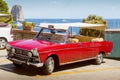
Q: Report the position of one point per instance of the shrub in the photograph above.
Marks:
(28, 24)
(93, 19)
(14, 26)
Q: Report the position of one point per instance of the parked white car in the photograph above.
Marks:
(6, 34)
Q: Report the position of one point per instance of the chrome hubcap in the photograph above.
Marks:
(100, 57)
(51, 65)
(2, 43)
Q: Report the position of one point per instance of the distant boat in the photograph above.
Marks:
(64, 20)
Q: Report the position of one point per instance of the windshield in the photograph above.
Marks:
(52, 35)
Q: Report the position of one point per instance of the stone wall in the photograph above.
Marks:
(22, 34)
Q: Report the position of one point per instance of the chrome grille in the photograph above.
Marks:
(22, 52)
(21, 57)
(18, 51)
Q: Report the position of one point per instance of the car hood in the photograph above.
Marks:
(30, 44)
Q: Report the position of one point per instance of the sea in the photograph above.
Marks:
(112, 23)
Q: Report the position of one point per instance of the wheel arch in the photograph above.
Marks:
(3, 46)
(4, 38)
(103, 53)
(56, 59)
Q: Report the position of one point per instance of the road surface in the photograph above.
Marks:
(108, 70)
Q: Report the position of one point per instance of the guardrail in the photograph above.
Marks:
(114, 36)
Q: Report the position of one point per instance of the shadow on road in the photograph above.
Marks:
(118, 59)
(33, 71)
(74, 65)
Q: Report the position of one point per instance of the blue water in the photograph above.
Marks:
(112, 23)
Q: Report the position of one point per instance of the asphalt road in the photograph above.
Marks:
(108, 70)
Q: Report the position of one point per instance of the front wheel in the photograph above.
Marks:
(99, 59)
(49, 66)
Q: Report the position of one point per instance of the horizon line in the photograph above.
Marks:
(66, 18)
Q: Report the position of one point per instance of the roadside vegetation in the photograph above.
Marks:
(93, 19)
(4, 9)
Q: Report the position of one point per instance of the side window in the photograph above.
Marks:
(74, 30)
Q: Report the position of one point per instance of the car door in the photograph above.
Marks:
(80, 50)
(68, 52)
(87, 50)
(75, 52)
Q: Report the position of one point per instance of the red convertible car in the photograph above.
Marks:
(59, 44)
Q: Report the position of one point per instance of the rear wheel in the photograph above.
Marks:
(49, 66)
(2, 43)
(99, 59)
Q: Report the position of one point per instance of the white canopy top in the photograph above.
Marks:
(65, 26)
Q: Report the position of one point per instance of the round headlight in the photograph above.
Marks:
(29, 54)
(8, 47)
(35, 52)
(13, 50)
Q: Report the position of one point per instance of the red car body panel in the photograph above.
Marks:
(30, 44)
(65, 52)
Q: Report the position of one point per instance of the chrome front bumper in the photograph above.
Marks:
(24, 62)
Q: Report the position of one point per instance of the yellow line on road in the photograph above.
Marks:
(77, 72)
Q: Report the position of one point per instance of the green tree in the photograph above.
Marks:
(3, 7)
(93, 19)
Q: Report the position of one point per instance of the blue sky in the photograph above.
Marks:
(73, 9)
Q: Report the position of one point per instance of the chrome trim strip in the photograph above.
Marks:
(78, 61)
(28, 63)
(62, 49)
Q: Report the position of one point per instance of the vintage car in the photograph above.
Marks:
(59, 44)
